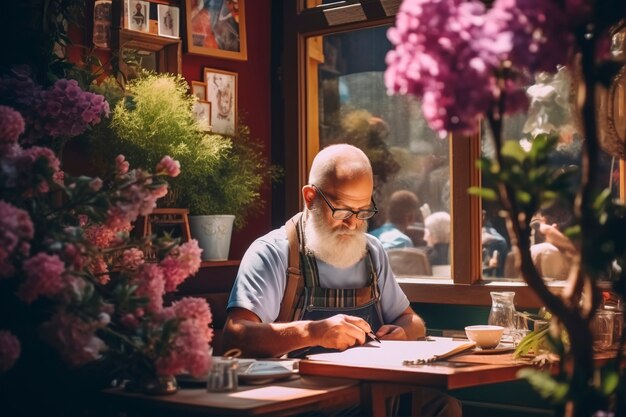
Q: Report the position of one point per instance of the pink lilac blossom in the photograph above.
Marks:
(16, 230)
(44, 277)
(99, 269)
(74, 338)
(34, 167)
(74, 256)
(134, 200)
(538, 29)
(11, 127)
(121, 164)
(189, 351)
(132, 258)
(23, 94)
(180, 263)
(448, 52)
(168, 166)
(150, 284)
(67, 110)
(10, 350)
(194, 308)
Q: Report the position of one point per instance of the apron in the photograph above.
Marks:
(318, 303)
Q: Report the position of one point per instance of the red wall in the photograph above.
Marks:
(254, 101)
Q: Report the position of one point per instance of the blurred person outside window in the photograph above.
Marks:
(401, 213)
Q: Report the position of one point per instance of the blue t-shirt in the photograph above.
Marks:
(262, 277)
(391, 237)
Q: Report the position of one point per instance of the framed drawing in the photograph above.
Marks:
(169, 20)
(202, 112)
(221, 91)
(216, 28)
(198, 89)
(102, 24)
(137, 15)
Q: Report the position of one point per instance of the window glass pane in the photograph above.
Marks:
(410, 161)
(550, 110)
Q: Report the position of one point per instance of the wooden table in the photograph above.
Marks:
(302, 394)
(379, 382)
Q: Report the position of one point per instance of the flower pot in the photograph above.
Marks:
(213, 234)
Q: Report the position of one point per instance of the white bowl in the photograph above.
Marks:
(485, 336)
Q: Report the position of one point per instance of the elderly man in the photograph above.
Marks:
(334, 253)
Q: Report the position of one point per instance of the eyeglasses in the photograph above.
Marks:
(345, 213)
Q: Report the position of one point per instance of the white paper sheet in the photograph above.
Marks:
(393, 353)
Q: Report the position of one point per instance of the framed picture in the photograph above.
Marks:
(198, 89)
(138, 15)
(216, 28)
(202, 112)
(221, 92)
(169, 20)
(102, 23)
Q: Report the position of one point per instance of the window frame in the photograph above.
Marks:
(301, 143)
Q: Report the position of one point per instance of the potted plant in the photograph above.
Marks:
(221, 176)
(229, 194)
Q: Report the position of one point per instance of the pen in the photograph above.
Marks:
(373, 336)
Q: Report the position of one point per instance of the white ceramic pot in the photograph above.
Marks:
(213, 233)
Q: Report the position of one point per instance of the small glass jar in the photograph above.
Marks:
(223, 375)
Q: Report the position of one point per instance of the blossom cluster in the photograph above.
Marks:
(66, 250)
(62, 111)
(452, 54)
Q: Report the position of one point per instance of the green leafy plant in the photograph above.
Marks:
(237, 180)
(220, 174)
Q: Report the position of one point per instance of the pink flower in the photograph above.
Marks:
(168, 167)
(180, 263)
(150, 284)
(132, 258)
(196, 309)
(95, 184)
(16, 229)
(11, 127)
(99, 268)
(121, 164)
(44, 276)
(189, 350)
(74, 338)
(9, 350)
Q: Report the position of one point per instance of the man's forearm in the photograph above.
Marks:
(412, 324)
(267, 339)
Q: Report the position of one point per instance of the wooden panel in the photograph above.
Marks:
(442, 292)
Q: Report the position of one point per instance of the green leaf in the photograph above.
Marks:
(486, 193)
(547, 386)
(514, 150)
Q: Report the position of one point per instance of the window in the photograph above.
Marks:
(338, 68)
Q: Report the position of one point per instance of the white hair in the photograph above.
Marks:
(438, 226)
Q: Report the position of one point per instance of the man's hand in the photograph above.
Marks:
(340, 331)
(391, 332)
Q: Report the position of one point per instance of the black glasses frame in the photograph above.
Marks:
(346, 213)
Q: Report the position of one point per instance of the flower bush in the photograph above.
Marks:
(71, 276)
(468, 63)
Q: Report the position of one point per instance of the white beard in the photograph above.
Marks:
(340, 248)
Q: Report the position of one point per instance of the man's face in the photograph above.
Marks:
(339, 242)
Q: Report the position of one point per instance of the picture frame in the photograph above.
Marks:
(202, 113)
(216, 28)
(169, 21)
(137, 15)
(102, 18)
(198, 89)
(222, 93)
